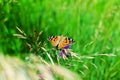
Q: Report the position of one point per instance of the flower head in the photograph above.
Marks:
(67, 47)
(62, 53)
(65, 52)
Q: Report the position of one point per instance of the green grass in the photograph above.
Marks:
(94, 25)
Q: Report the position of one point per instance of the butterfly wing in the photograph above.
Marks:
(54, 40)
(64, 42)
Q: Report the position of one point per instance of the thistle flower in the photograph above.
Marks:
(65, 52)
(67, 47)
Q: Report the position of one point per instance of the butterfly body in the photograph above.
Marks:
(60, 41)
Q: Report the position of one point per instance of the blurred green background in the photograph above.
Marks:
(93, 24)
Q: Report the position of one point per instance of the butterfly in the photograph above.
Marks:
(60, 41)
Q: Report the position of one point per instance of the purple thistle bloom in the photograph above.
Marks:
(67, 47)
(63, 51)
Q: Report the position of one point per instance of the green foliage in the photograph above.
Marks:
(94, 25)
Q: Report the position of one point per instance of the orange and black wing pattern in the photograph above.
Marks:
(60, 41)
(54, 40)
(64, 42)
